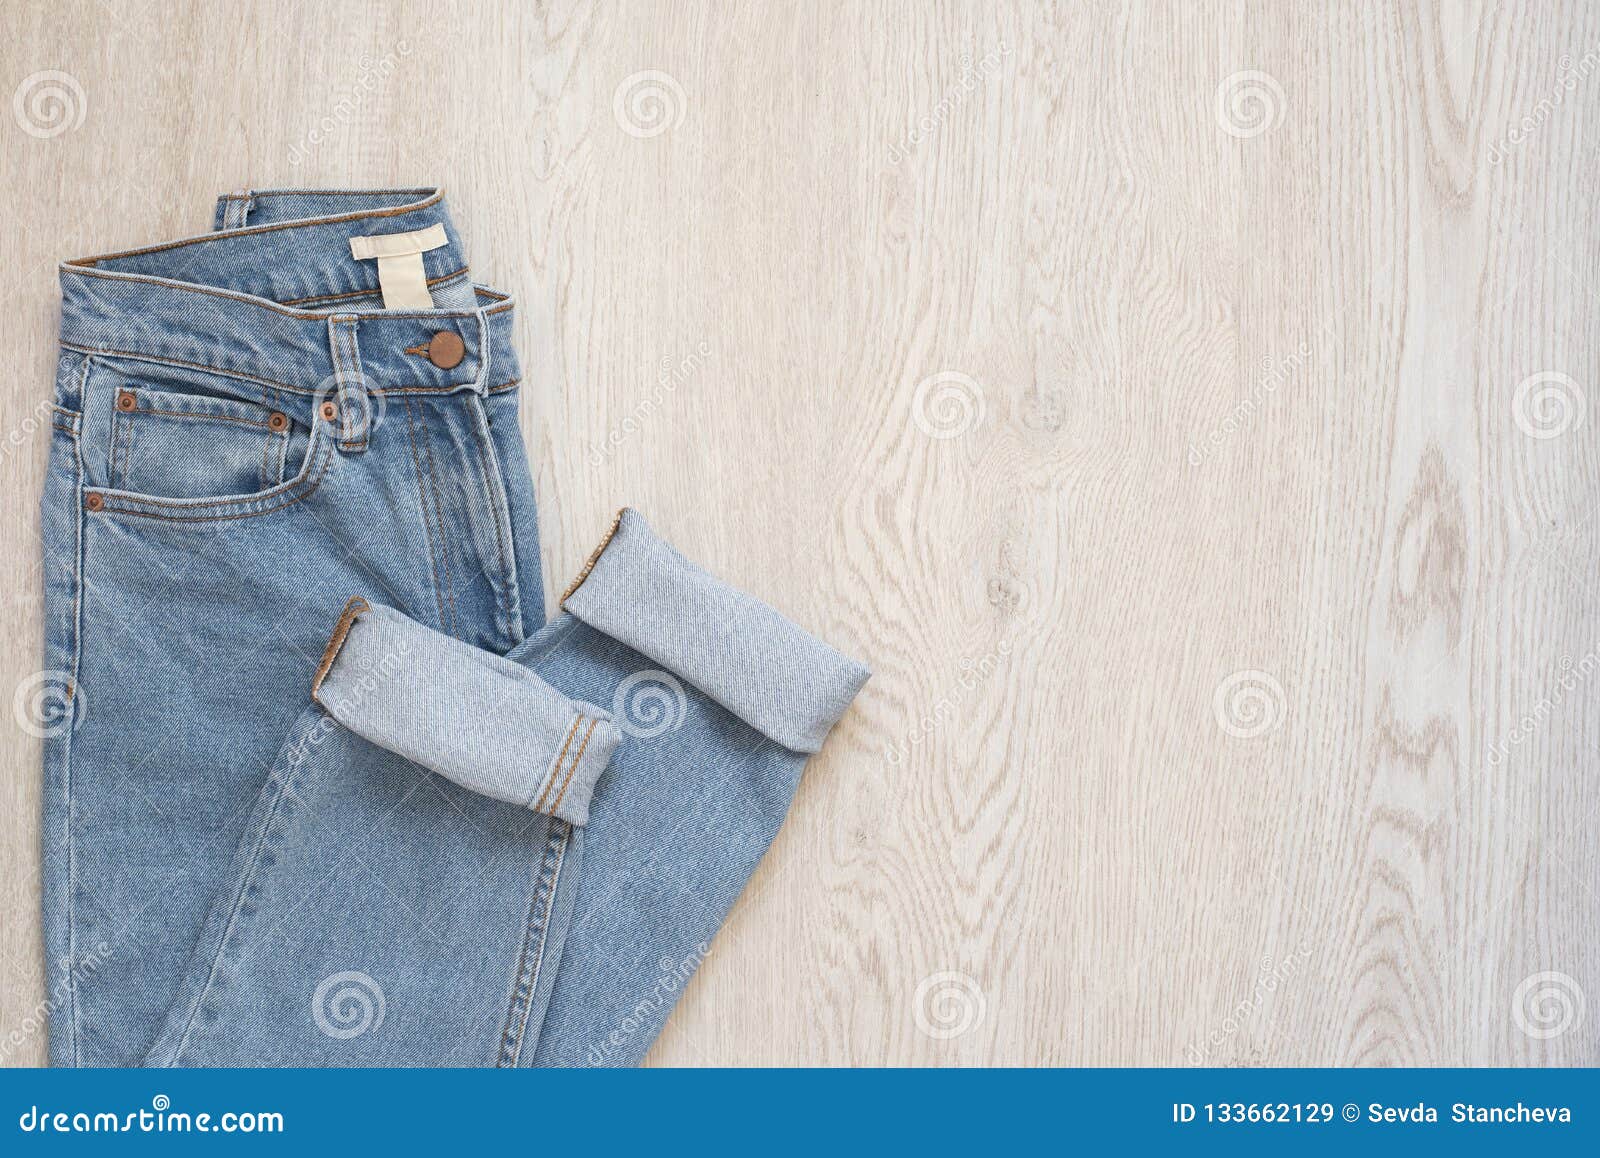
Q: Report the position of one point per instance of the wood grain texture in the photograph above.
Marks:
(1190, 412)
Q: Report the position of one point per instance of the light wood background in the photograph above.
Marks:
(1190, 411)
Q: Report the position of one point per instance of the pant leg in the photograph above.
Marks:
(401, 889)
(721, 701)
(465, 861)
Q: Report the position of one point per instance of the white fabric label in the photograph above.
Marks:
(401, 274)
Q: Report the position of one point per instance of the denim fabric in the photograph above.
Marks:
(327, 789)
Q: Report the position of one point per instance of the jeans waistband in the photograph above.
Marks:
(276, 300)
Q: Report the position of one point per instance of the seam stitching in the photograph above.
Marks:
(354, 608)
(256, 230)
(576, 760)
(594, 557)
(205, 518)
(558, 843)
(555, 769)
(367, 293)
(427, 516)
(503, 582)
(452, 622)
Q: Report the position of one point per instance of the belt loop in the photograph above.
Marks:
(485, 354)
(357, 415)
(233, 209)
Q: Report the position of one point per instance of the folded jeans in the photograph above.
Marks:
(325, 787)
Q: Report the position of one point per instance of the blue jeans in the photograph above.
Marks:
(322, 786)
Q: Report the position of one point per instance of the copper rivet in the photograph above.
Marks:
(126, 400)
(278, 421)
(446, 349)
(329, 411)
(93, 502)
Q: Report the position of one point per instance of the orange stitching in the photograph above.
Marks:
(200, 414)
(427, 520)
(121, 442)
(160, 359)
(432, 281)
(571, 732)
(444, 539)
(485, 451)
(594, 558)
(575, 762)
(252, 300)
(315, 482)
(291, 484)
(341, 630)
(257, 229)
(259, 194)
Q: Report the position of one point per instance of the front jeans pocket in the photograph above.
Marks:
(191, 446)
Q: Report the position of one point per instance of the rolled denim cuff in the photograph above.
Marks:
(485, 722)
(783, 682)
